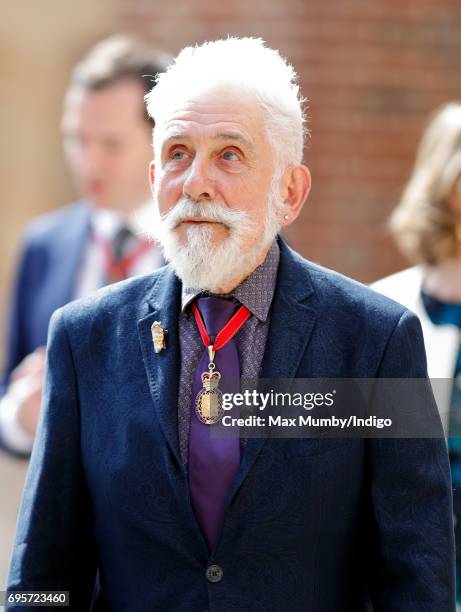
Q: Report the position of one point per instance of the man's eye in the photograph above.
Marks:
(114, 146)
(230, 156)
(177, 154)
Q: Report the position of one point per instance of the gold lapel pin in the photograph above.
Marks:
(158, 336)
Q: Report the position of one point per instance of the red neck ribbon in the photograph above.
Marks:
(227, 332)
(120, 269)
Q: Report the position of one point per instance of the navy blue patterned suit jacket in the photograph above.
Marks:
(332, 525)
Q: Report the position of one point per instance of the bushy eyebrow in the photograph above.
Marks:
(233, 136)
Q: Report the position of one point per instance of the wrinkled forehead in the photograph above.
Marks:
(207, 113)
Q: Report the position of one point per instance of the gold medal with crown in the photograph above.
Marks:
(208, 404)
(209, 400)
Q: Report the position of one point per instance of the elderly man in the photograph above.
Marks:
(130, 503)
(79, 248)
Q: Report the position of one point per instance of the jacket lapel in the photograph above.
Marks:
(163, 368)
(293, 316)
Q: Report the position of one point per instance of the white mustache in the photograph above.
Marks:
(186, 209)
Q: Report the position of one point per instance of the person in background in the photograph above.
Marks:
(427, 228)
(92, 242)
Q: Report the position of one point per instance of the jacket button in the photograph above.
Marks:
(214, 573)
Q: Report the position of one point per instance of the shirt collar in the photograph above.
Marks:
(255, 292)
(106, 222)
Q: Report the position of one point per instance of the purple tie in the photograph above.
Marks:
(213, 462)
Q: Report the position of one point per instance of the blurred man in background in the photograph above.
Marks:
(95, 241)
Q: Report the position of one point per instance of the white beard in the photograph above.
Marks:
(202, 265)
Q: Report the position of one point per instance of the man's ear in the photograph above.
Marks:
(294, 189)
(152, 174)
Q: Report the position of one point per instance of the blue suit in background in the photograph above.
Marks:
(315, 525)
(46, 278)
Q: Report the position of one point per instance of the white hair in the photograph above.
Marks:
(244, 65)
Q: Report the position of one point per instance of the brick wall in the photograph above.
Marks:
(372, 71)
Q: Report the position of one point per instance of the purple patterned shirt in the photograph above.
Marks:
(256, 293)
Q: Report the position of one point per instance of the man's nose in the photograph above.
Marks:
(199, 184)
(90, 161)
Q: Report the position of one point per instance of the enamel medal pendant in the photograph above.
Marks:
(208, 403)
